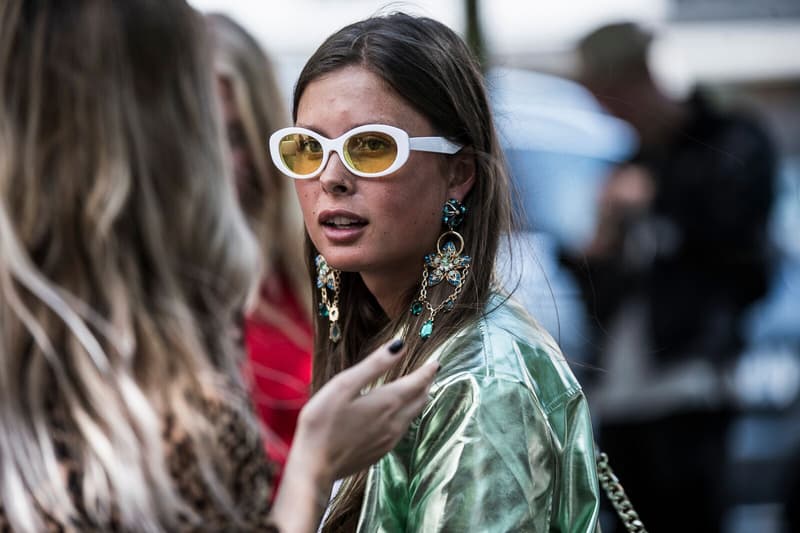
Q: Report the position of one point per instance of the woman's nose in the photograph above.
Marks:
(335, 178)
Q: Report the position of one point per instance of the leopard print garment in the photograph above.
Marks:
(249, 481)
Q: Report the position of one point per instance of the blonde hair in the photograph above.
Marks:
(123, 256)
(268, 198)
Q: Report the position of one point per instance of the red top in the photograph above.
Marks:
(280, 358)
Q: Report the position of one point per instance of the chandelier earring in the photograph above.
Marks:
(447, 264)
(328, 285)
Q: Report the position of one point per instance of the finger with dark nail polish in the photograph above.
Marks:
(396, 346)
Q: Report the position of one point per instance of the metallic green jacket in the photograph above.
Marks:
(504, 444)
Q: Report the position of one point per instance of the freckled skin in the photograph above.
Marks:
(403, 209)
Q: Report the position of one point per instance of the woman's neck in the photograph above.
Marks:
(391, 289)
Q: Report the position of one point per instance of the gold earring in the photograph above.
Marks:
(446, 264)
(328, 279)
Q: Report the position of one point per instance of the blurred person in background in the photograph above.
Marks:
(124, 263)
(680, 252)
(278, 329)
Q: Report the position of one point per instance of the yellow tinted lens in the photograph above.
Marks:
(301, 153)
(370, 152)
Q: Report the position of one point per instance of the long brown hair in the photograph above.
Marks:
(431, 67)
(123, 256)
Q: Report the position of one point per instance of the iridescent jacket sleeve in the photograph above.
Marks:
(505, 443)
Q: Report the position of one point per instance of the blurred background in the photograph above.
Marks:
(568, 144)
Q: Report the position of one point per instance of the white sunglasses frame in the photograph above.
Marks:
(405, 144)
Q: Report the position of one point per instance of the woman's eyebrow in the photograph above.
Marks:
(349, 127)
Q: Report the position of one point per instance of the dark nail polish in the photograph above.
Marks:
(396, 346)
(439, 368)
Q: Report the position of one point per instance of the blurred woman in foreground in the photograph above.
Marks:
(124, 262)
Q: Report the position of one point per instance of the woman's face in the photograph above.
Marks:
(244, 170)
(380, 227)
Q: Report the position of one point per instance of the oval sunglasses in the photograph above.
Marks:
(368, 151)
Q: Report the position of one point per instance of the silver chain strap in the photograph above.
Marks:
(615, 493)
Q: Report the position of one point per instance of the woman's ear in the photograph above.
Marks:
(461, 176)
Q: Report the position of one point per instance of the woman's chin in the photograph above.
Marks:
(346, 260)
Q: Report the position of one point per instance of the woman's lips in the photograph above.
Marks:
(342, 227)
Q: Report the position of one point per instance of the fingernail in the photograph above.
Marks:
(396, 346)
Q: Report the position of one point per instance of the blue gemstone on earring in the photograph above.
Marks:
(335, 333)
(426, 329)
(416, 308)
(323, 310)
(435, 277)
(453, 213)
(454, 277)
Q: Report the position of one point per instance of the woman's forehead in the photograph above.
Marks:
(353, 96)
